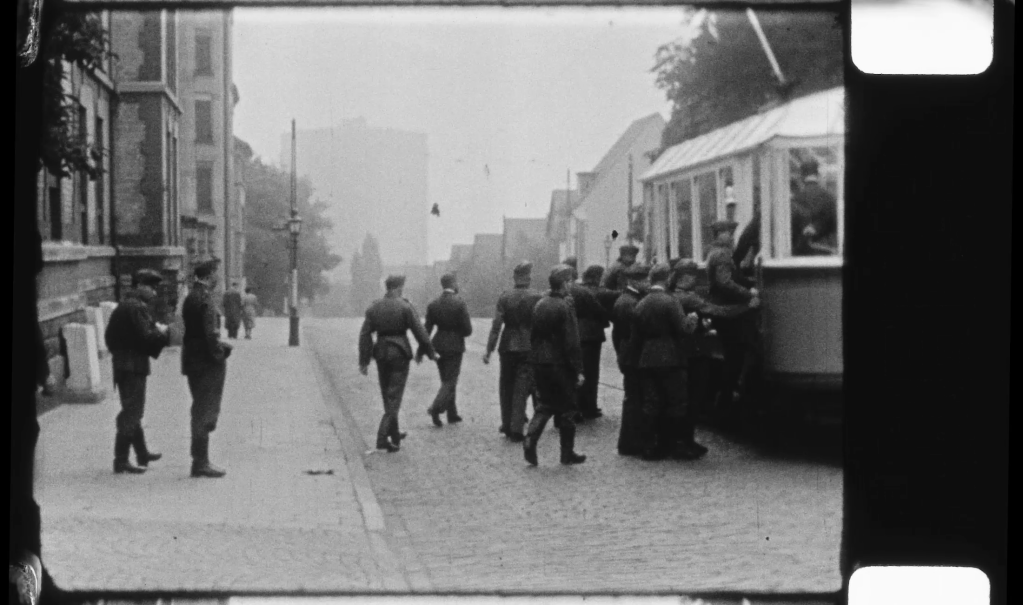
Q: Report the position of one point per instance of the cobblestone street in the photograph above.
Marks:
(478, 518)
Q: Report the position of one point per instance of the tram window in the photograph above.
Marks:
(683, 192)
(707, 190)
(814, 206)
(662, 196)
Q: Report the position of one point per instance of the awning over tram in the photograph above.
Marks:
(817, 115)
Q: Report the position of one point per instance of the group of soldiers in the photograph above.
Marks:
(550, 345)
(134, 336)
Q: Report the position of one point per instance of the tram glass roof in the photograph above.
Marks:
(816, 115)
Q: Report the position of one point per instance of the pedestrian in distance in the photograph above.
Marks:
(510, 335)
(594, 318)
(630, 438)
(133, 336)
(450, 315)
(250, 308)
(814, 215)
(204, 363)
(660, 327)
(627, 254)
(390, 318)
(558, 363)
(233, 310)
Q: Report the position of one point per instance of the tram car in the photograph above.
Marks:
(755, 166)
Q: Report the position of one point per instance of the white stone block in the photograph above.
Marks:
(85, 383)
(97, 319)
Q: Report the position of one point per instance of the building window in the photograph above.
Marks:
(684, 213)
(204, 187)
(56, 208)
(203, 55)
(83, 176)
(101, 202)
(707, 191)
(204, 121)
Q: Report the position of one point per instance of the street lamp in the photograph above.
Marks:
(295, 227)
(608, 242)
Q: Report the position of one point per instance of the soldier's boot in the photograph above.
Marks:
(122, 448)
(689, 436)
(142, 453)
(533, 433)
(568, 455)
(453, 416)
(201, 466)
(436, 417)
(683, 448)
(658, 438)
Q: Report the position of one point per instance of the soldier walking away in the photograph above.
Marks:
(594, 318)
(204, 363)
(450, 315)
(513, 323)
(390, 318)
(626, 257)
(232, 310)
(558, 363)
(630, 438)
(132, 337)
(250, 307)
(814, 216)
(660, 328)
(733, 320)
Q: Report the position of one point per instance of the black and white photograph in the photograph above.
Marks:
(412, 300)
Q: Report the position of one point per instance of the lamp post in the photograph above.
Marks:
(608, 242)
(295, 227)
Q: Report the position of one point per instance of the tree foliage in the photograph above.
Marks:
(73, 38)
(267, 246)
(367, 271)
(717, 71)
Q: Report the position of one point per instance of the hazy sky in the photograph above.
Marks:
(510, 99)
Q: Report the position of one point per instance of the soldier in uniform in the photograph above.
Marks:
(626, 257)
(132, 337)
(450, 315)
(515, 315)
(204, 363)
(233, 310)
(557, 361)
(732, 318)
(814, 216)
(660, 328)
(696, 347)
(390, 318)
(593, 318)
(630, 439)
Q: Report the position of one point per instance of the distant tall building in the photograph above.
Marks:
(374, 180)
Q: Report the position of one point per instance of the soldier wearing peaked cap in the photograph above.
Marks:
(594, 316)
(510, 335)
(814, 215)
(630, 439)
(390, 318)
(133, 336)
(626, 257)
(557, 361)
(450, 315)
(204, 363)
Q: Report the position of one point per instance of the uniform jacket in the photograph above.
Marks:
(515, 313)
(232, 304)
(613, 279)
(698, 343)
(555, 333)
(813, 205)
(621, 334)
(724, 289)
(450, 315)
(659, 330)
(132, 336)
(748, 240)
(201, 347)
(390, 318)
(592, 316)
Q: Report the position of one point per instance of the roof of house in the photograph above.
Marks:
(625, 141)
(815, 115)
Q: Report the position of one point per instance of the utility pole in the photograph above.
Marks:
(295, 227)
(628, 217)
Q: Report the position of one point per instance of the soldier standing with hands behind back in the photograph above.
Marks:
(204, 362)
(132, 337)
(390, 318)
(450, 315)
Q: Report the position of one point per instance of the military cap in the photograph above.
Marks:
(147, 277)
(628, 250)
(593, 272)
(660, 272)
(637, 271)
(571, 262)
(561, 274)
(720, 226)
(394, 281)
(523, 269)
(447, 280)
(809, 168)
(687, 266)
(205, 269)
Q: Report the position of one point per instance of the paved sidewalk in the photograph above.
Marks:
(268, 525)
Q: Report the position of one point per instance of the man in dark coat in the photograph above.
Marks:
(204, 363)
(450, 315)
(593, 318)
(512, 324)
(233, 310)
(132, 337)
(733, 319)
(814, 216)
(557, 361)
(626, 256)
(630, 438)
(390, 318)
(660, 328)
